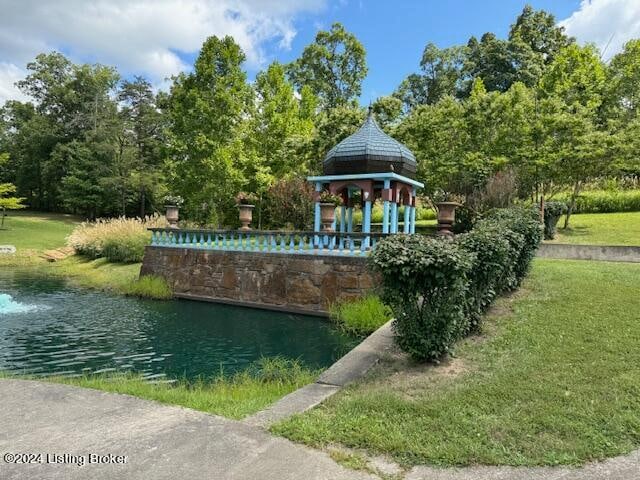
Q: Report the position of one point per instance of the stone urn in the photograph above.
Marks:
(172, 215)
(446, 217)
(246, 215)
(327, 216)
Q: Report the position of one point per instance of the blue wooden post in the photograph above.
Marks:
(350, 219)
(316, 221)
(343, 218)
(412, 228)
(366, 221)
(394, 218)
(385, 210)
(407, 218)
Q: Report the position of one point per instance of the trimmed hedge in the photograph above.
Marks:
(552, 213)
(438, 289)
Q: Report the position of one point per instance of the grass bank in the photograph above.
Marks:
(32, 233)
(233, 397)
(554, 380)
(601, 229)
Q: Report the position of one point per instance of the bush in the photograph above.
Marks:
(492, 269)
(552, 213)
(526, 222)
(438, 289)
(362, 316)
(117, 239)
(425, 283)
(605, 201)
(288, 201)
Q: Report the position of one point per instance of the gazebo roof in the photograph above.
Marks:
(369, 150)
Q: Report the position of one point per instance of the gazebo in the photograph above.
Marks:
(376, 165)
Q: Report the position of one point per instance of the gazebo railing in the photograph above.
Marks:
(270, 241)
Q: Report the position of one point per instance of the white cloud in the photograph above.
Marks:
(9, 75)
(139, 36)
(605, 22)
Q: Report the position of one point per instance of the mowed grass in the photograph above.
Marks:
(233, 397)
(601, 229)
(555, 380)
(36, 231)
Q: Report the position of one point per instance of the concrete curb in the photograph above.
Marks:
(609, 253)
(353, 366)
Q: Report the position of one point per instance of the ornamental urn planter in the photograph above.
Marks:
(246, 215)
(327, 216)
(446, 217)
(172, 215)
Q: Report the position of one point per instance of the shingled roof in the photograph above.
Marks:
(369, 150)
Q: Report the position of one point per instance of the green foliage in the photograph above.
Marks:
(526, 222)
(360, 316)
(438, 289)
(552, 213)
(605, 201)
(149, 286)
(424, 282)
(492, 269)
(125, 250)
(333, 66)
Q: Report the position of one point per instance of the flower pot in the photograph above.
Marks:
(327, 216)
(172, 215)
(246, 215)
(446, 217)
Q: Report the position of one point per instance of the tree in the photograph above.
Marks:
(388, 111)
(280, 119)
(207, 111)
(143, 133)
(8, 202)
(333, 66)
(623, 78)
(539, 30)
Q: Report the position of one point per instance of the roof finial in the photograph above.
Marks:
(370, 109)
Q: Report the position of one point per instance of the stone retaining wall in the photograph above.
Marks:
(297, 283)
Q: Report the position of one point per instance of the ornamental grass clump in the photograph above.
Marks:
(425, 282)
(116, 239)
(360, 316)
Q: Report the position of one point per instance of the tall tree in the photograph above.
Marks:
(333, 66)
(207, 110)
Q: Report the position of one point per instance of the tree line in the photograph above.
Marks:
(536, 106)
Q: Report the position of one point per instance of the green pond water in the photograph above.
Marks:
(48, 327)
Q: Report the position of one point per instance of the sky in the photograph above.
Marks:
(160, 38)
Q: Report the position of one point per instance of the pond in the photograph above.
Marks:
(48, 327)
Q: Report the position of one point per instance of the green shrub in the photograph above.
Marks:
(425, 283)
(361, 316)
(438, 289)
(526, 222)
(149, 286)
(125, 250)
(552, 213)
(492, 269)
(605, 201)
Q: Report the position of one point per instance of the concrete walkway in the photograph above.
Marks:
(63, 426)
(158, 441)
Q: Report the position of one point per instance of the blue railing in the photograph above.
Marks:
(323, 243)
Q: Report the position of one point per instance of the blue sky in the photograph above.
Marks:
(159, 38)
(395, 33)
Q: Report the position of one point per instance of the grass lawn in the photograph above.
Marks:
(554, 380)
(601, 229)
(32, 232)
(37, 231)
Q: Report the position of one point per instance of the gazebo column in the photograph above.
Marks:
(385, 208)
(407, 217)
(394, 213)
(343, 218)
(366, 217)
(316, 220)
(413, 212)
(349, 213)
